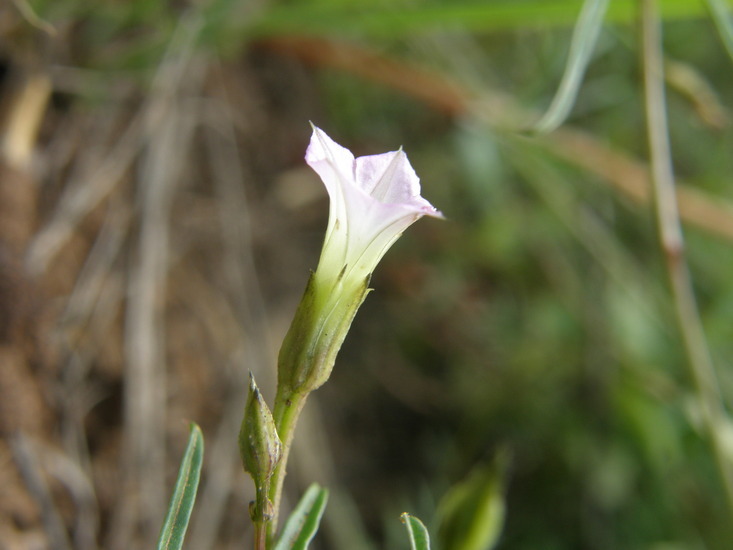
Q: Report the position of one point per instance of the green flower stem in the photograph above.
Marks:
(260, 515)
(261, 535)
(306, 359)
(288, 406)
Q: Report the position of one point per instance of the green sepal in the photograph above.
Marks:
(318, 330)
(302, 525)
(417, 532)
(184, 493)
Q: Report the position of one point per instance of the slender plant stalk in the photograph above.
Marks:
(699, 361)
(261, 521)
(260, 536)
(286, 411)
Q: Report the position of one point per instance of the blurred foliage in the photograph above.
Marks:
(537, 317)
(471, 514)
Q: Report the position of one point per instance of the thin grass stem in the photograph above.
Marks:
(699, 361)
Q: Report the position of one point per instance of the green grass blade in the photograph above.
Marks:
(720, 12)
(418, 533)
(582, 45)
(184, 493)
(366, 18)
(301, 526)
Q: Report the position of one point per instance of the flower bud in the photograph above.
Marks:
(259, 444)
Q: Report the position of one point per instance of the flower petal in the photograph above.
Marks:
(373, 199)
(332, 162)
(387, 177)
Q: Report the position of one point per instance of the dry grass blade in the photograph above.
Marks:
(83, 195)
(24, 119)
(168, 135)
(229, 357)
(28, 462)
(631, 178)
(86, 324)
(31, 16)
(688, 81)
(68, 471)
(97, 266)
(235, 220)
(245, 309)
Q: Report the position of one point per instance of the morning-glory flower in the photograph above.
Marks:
(373, 199)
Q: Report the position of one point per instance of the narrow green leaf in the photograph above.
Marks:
(184, 493)
(720, 12)
(366, 17)
(585, 36)
(301, 526)
(418, 533)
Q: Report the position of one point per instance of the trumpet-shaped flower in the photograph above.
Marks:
(373, 199)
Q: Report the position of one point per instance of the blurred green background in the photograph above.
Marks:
(170, 224)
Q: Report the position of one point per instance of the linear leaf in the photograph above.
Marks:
(720, 12)
(418, 533)
(184, 493)
(582, 45)
(301, 526)
(364, 17)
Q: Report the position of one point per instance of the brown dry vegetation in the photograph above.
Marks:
(130, 228)
(155, 235)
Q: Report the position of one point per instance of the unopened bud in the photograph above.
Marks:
(259, 443)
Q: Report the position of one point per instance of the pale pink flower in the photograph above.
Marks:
(373, 200)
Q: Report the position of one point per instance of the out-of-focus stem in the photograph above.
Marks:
(699, 361)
